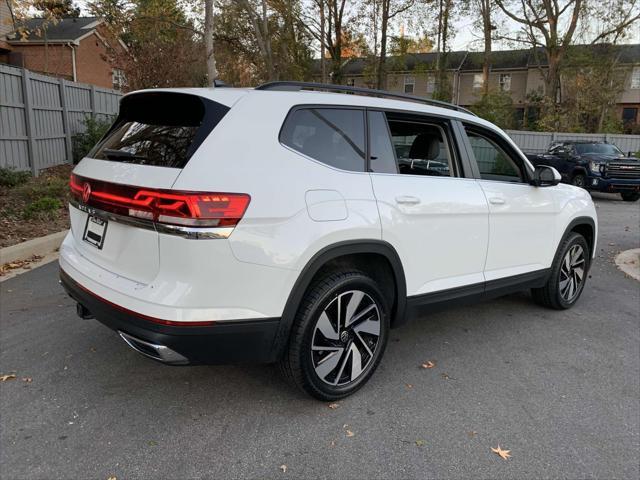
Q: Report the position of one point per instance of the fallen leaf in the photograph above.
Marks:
(27, 379)
(504, 454)
(4, 378)
(283, 468)
(112, 477)
(333, 443)
(408, 385)
(429, 364)
(151, 443)
(333, 406)
(420, 443)
(350, 433)
(472, 433)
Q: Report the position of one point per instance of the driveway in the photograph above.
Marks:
(560, 390)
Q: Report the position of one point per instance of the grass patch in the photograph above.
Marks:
(44, 207)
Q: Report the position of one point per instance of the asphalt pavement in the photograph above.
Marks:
(560, 390)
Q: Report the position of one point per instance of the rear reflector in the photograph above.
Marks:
(169, 207)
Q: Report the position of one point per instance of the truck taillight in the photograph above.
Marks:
(170, 207)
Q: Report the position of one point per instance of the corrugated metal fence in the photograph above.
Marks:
(40, 114)
(538, 142)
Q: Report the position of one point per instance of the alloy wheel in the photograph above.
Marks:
(345, 338)
(572, 273)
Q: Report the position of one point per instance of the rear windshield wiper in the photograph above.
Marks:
(111, 153)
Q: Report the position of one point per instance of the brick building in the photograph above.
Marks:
(79, 49)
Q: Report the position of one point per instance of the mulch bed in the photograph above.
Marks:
(17, 224)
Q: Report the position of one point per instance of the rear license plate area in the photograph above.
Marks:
(95, 231)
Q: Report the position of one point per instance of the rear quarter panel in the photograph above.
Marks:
(243, 154)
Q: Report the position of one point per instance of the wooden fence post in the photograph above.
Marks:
(28, 116)
(65, 121)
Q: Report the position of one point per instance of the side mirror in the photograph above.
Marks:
(545, 176)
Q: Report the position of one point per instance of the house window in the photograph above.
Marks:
(118, 79)
(431, 84)
(635, 78)
(478, 81)
(505, 82)
(629, 115)
(409, 84)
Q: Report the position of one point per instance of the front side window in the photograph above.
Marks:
(333, 136)
(421, 148)
(493, 162)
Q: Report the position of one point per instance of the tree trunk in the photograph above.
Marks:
(382, 62)
(323, 51)
(212, 73)
(485, 10)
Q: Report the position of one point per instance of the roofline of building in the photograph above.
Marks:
(90, 27)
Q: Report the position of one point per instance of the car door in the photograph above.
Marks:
(436, 220)
(521, 216)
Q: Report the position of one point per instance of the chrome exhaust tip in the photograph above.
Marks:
(160, 353)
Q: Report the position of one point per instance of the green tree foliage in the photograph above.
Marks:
(497, 107)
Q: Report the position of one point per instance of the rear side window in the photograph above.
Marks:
(333, 136)
(161, 129)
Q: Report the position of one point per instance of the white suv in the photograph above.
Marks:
(279, 224)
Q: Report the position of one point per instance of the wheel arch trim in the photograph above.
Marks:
(320, 259)
(590, 222)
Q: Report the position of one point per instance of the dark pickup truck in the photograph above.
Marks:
(598, 166)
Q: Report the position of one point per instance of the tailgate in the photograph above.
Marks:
(124, 248)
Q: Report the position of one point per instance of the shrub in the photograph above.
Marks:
(44, 206)
(11, 178)
(84, 142)
(49, 187)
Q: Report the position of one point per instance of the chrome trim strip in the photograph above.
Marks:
(163, 353)
(191, 233)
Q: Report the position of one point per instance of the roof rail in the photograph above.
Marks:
(297, 86)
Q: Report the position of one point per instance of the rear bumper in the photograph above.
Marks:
(613, 185)
(229, 341)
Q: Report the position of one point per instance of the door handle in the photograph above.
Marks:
(497, 201)
(407, 200)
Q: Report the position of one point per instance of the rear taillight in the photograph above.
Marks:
(169, 207)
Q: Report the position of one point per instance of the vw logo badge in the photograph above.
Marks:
(86, 192)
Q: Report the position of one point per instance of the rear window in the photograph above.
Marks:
(161, 129)
(333, 136)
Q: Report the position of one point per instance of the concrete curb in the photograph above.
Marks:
(629, 262)
(37, 246)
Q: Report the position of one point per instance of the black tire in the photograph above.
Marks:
(300, 363)
(552, 295)
(630, 196)
(579, 180)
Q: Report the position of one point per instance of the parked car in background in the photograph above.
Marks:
(597, 166)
